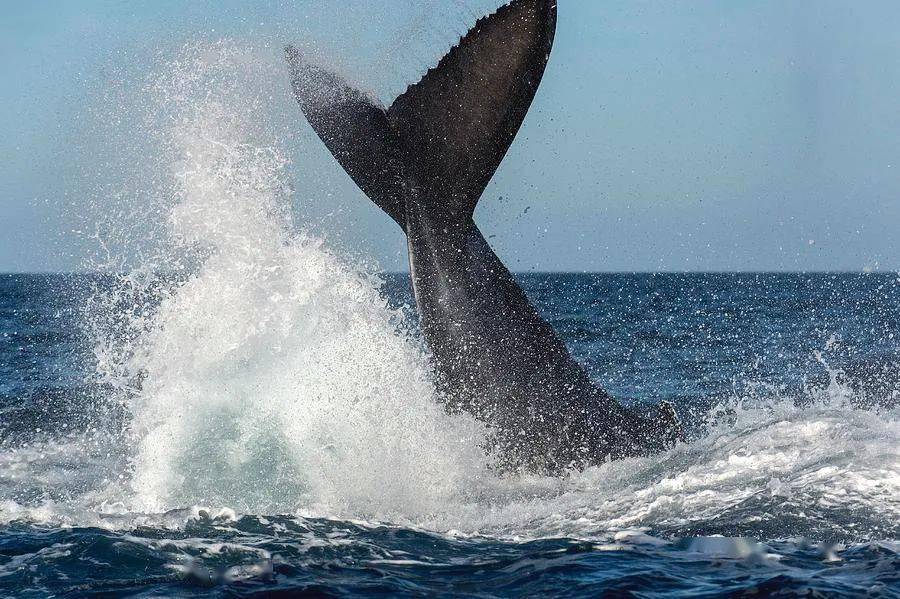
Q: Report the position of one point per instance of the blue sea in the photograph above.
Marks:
(197, 435)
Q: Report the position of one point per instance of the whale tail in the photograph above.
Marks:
(440, 142)
(426, 161)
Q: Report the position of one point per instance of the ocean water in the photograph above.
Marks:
(228, 404)
(309, 455)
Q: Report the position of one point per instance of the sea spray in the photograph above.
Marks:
(272, 377)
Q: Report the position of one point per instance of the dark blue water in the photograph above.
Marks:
(115, 479)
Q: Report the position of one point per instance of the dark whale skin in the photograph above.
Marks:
(426, 161)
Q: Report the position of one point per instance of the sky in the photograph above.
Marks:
(666, 136)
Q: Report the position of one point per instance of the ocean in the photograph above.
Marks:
(238, 456)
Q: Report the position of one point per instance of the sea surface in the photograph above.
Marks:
(238, 468)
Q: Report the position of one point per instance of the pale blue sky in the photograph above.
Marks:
(667, 135)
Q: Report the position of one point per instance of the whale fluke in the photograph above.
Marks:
(356, 130)
(425, 161)
(446, 134)
(461, 118)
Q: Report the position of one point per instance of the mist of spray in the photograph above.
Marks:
(272, 375)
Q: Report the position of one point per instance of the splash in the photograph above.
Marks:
(273, 376)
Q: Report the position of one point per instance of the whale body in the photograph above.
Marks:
(425, 160)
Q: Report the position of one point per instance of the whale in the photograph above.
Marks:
(425, 160)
